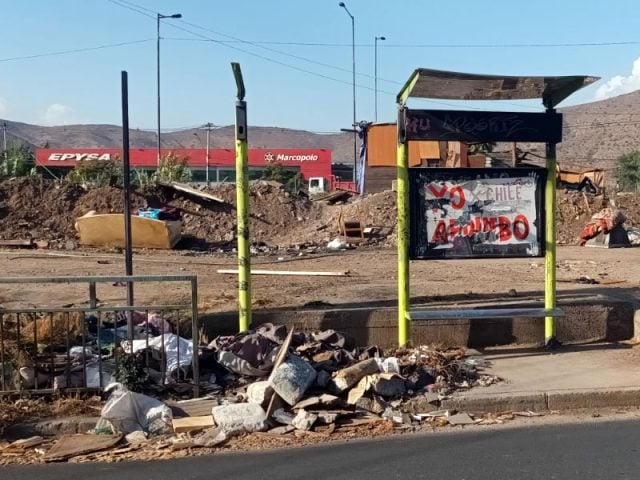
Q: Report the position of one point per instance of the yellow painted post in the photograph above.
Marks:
(242, 205)
(550, 251)
(403, 234)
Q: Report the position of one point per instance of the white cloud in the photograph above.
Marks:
(58, 114)
(4, 107)
(620, 83)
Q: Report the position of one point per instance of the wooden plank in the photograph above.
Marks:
(277, 402)
(73, 445)
(287, 272)
(192, 408)
(26, 443)
(16, 243)
(181, 187)
(190, 424)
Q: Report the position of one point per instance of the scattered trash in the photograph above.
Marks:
(460, 419)
(337, 244)
(585, 279)
(634, 235)
(313, 384)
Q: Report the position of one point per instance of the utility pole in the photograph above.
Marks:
(158, 18)
(375, 74)
(353, 61)
(208, 126)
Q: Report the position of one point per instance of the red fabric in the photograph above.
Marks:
(593, 229)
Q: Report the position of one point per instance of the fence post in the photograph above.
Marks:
(195, 337)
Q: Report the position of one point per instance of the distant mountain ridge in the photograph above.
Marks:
(595, 135)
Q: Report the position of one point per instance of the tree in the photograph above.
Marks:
(17, 162)
(292, 180)
(96, 173)
(628, 172)
(172, 169)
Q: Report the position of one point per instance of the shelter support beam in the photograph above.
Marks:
(550, 247)
(404, 321)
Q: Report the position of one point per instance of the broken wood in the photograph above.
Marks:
(347, 377)
(287, 272)
(192, 191)
(192, 408)
(81, 444)
(277, 402)
(17, 243)
(26, 443)
(190, 424)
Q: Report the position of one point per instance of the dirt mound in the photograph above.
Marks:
(575, 209)
(277, 218)
(31, 207)
(377, 211)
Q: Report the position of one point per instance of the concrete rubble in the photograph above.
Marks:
(291, 384)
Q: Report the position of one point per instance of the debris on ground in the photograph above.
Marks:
(272, 384)
(602, 222)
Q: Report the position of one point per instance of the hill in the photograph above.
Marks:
(110, 136)
(598, 133)
(595, 134)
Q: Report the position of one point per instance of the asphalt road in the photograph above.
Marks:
(576, 451)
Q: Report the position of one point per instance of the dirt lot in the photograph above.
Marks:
(372, 277)
(289, 232)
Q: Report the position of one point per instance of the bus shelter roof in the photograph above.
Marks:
(427, 83)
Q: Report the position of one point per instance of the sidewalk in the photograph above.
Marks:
(573, 377)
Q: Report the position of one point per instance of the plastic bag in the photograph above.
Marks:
(128, 412)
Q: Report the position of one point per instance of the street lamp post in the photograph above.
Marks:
(353, 57)
(158, 18)
(375, 74)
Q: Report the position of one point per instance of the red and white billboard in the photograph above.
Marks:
(312, 162)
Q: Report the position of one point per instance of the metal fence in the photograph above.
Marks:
(81, 348)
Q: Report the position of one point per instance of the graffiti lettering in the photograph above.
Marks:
(502, 226)
(456, 194)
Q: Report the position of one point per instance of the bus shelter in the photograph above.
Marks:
(453, 213)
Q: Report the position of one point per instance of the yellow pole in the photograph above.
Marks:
(242, 205)
(550, 251)
(403, 237)
(244, 258)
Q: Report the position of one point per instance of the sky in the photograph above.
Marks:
(60, 61)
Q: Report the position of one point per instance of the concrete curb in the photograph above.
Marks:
(51, 427)
(550, 400)
(478, 403)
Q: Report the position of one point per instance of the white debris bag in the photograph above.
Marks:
(336, 244)
(388, 365)
(128, 412)
(173, 344)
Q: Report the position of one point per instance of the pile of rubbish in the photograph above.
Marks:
(58, 351)
(276, 381)
(283, 383)
(602, 222)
